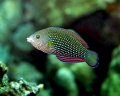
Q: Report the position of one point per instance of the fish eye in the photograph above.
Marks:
(37, 36)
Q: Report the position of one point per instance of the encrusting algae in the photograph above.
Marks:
(18, 88)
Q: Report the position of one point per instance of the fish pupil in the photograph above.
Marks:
(37, 36)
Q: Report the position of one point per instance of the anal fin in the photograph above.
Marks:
(70, 59)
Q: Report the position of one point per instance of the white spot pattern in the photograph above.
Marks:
(65, 44)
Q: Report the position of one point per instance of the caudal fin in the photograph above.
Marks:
(92, 59)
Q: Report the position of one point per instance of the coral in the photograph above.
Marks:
(84, 74)
(19, 37)
(44, 93)
(4, 30)
(66, 79)
(11, 11)
(16, 71)
(10, 18)
(4, 53)
(59, 13)
(3, 75)
(111, 84)
(18, 88)
(28, 11)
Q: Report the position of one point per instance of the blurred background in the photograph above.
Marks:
(96, 21)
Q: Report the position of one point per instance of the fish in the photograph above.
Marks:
(67, 45)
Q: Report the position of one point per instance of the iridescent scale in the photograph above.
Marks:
(67, 45)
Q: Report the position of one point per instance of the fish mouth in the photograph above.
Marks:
(28, 39)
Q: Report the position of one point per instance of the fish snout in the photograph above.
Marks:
(28, 39)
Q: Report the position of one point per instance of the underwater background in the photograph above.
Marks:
(26, 71)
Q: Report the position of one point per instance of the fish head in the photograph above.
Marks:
(38, 39)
